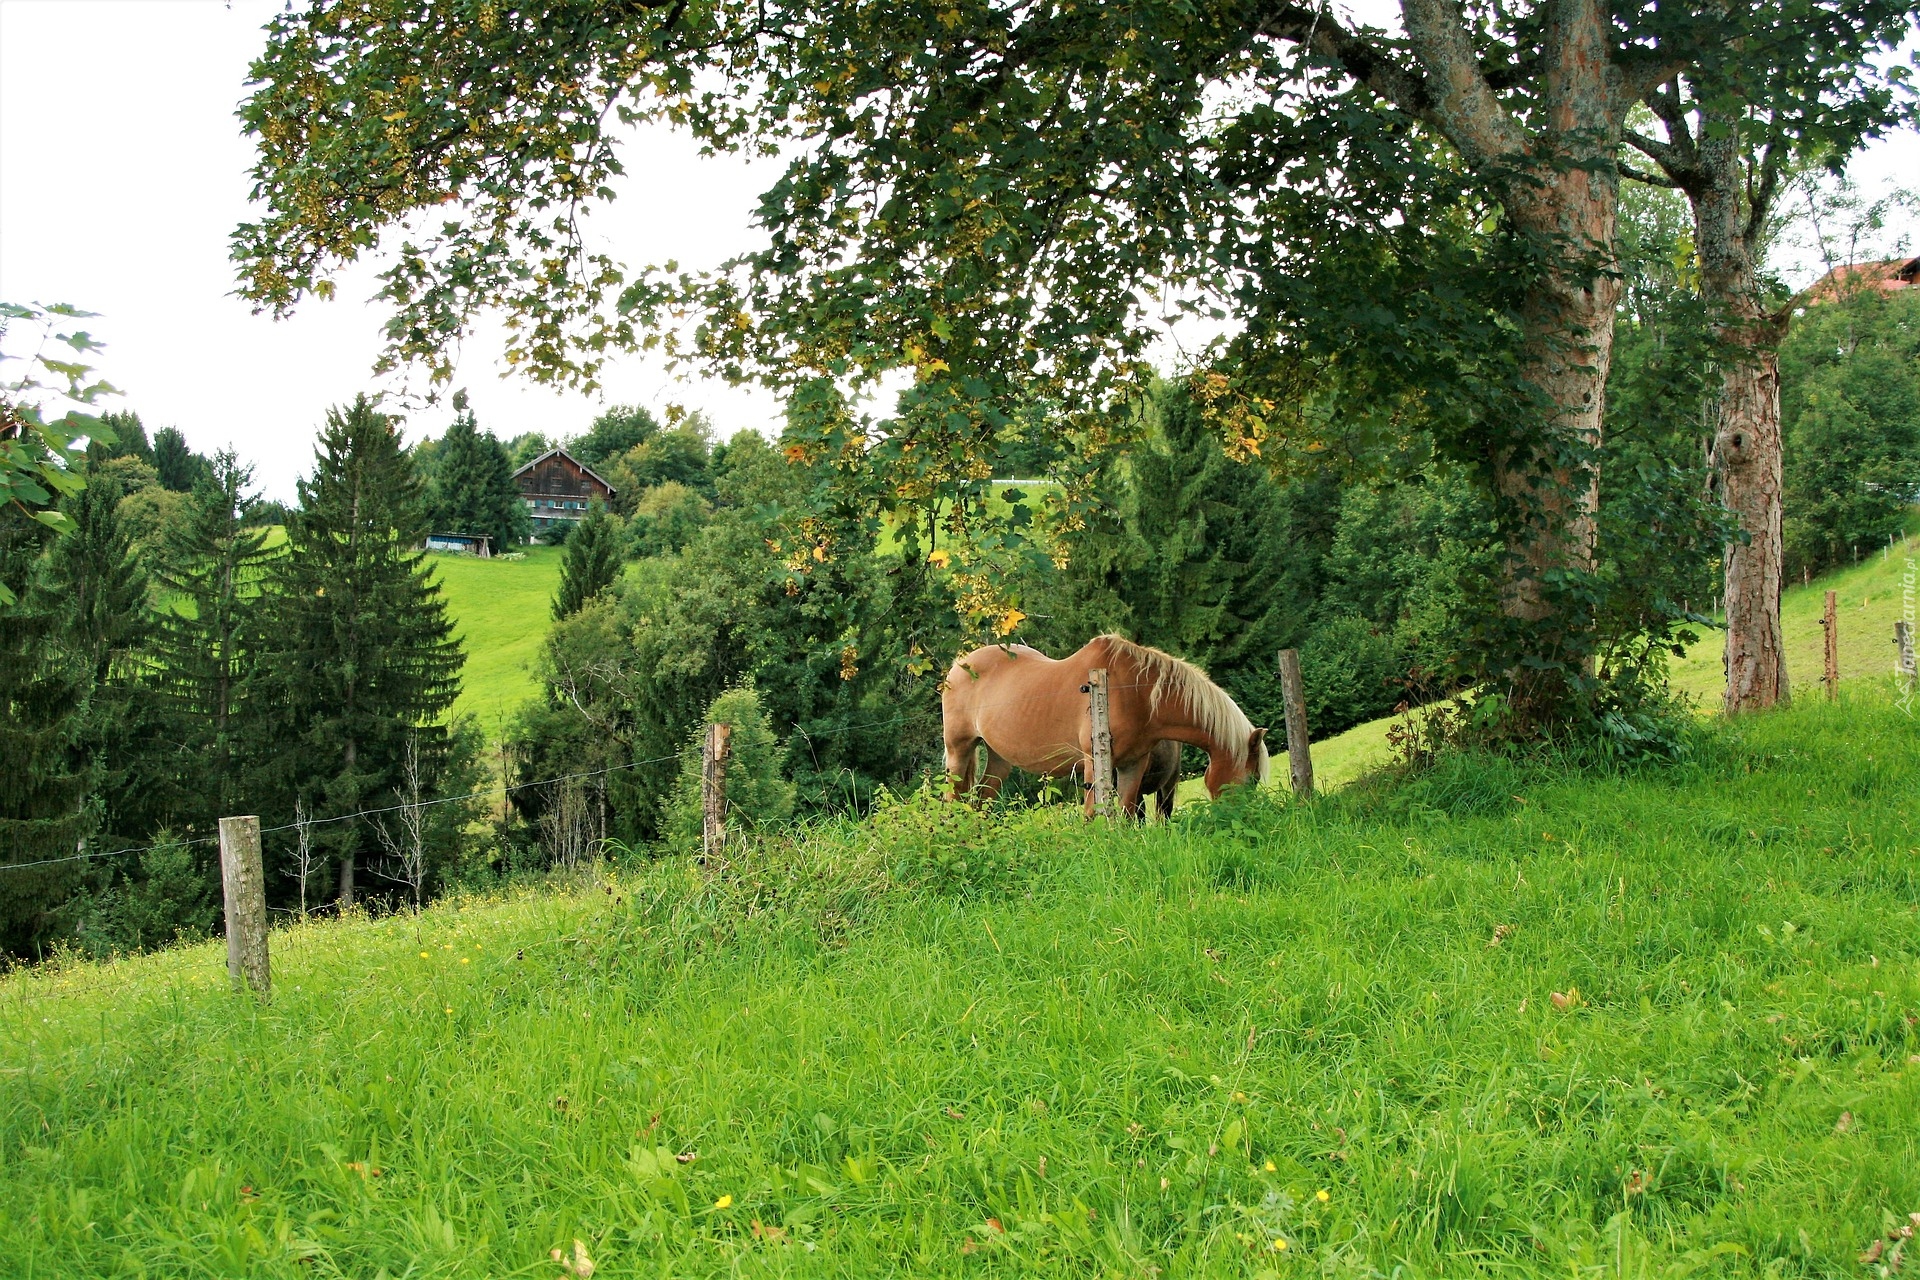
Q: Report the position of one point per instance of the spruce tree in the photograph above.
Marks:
(129, 436)
(93, 569)
(215, 565)
(592, 562)
(363, 656)
(180, 468)
(44, 782)
(472, 489)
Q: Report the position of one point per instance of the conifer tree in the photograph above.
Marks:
(43, 707)
(129, 436)
(592, 562)
(363, 659)
(180, 468)
(473, 489)
(215, 565)
(93, 570)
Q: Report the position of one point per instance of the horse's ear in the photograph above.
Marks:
(1259, 736)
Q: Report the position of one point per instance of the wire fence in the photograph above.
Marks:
(505, 788)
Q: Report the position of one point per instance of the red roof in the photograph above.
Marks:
(1890, 276)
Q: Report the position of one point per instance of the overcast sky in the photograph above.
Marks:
(122, 172)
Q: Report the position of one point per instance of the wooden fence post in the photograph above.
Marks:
(1903, 642)
(1831, 621)
(1102, 742)
(245, 890)
(713, 790)
(1299, 749)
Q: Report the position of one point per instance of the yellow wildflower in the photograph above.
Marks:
(1280, 1245)
(724, 1202)
(1322, 1196)
(1272, 1167)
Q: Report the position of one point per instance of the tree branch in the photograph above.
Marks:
(1465, 105)
(1650, 179)
(1320, 33)
(1760, 196)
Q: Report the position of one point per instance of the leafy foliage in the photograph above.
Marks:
(38, 455)
(1850, 373)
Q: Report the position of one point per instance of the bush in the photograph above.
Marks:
(758, 798)
(169, 898)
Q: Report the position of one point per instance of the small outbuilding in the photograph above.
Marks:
(471, 544)
(558, 488)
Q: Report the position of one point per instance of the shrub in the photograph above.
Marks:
(758, 798)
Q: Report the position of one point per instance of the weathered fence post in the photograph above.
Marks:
(713, 790)
(1299, 750)
(1102, 742)
(1831, 621)
(245, 890)
(1903, 643)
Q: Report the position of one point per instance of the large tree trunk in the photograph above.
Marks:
(1547, 474)
(1558, 177)
(1746, 446)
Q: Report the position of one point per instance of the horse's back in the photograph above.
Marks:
(1026, 706)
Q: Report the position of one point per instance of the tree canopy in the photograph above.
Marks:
(1005, 201)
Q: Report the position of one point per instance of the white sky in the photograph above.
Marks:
(122, 172)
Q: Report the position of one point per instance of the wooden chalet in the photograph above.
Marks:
(557, 487)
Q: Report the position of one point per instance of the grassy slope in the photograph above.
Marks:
(1870, 601)
(1086, 1051)
(502, 611)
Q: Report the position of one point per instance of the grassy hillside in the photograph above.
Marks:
(1498, 1022)
(1870, 601)
(502, 610)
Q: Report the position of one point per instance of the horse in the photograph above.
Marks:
(1162, 778)
(1031, 711)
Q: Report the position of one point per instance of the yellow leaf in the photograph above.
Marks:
(940, 558)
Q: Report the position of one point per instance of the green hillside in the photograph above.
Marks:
(502, 610)
(1870, 600)
(1496, 1023)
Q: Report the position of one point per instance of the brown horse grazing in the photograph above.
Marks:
(1031, 711)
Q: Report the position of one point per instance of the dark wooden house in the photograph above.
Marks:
(558, 487)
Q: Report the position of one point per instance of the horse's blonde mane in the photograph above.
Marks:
(1219, 716)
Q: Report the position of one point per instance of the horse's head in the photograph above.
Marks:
(1224, 768)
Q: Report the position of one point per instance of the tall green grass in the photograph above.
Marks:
(944, 1044)
(502, 610)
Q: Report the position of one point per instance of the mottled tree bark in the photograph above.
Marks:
(1732, 193)
(1747, 446)
(1561, 190)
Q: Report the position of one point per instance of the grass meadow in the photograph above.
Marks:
(1492, 1021)
(502, 610)
(1872, 595)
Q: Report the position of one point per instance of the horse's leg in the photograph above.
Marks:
(960, 765)
(1163, 798)
(997, 770)
(1128, 782)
